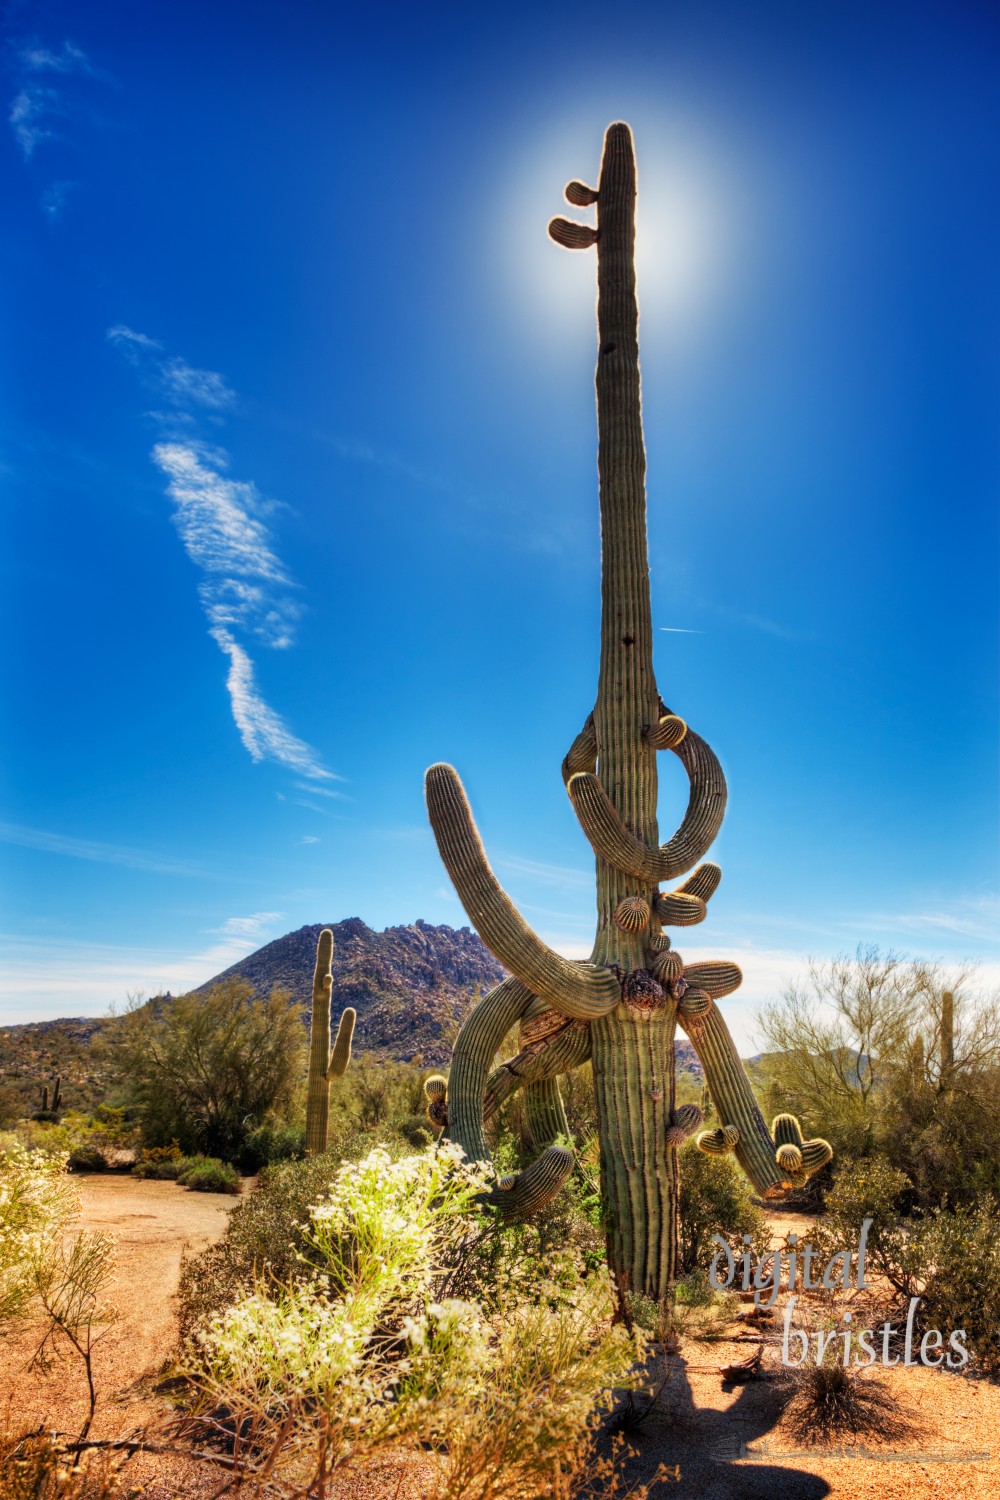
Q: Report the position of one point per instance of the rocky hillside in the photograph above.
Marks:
(409, 985)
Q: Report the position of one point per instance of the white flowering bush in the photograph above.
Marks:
(36, 1203)
(370, 1353)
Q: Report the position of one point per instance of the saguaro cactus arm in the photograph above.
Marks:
(613, 841)
(537, 1062)
(576, 990)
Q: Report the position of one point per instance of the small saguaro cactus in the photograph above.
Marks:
(325, 1062)
(619, 1009)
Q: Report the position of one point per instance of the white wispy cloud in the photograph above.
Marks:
(69, 59)
(246, 590)
(102, 853)
(251, 928)
(263, 732)
(31, 116)
(545, 874)
(40, 111)
(324, 791)
(215, 517)
(308, 838)
(130, 343)
(680, 630)
(202, 387)
(50, 977)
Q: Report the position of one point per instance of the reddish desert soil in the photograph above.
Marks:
(695, 1429)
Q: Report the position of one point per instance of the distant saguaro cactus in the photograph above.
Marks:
(325, 1062)
(619, 1009)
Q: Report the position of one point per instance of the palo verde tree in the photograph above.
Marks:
(620, 1009)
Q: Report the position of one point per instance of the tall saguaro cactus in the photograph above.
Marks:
(621, 1008)
(325, 1062)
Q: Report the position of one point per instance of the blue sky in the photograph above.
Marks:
(298, 451)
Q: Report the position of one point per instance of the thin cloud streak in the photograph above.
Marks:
(219, 519)
(263, 732)
(92, 849)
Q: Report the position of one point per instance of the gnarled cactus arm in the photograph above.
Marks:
(560, 1052)
(581, 991)
(482, 1033)
(610, 838)
(484, 1030)
(518, 1196)
(544, 1113)
(582, 754)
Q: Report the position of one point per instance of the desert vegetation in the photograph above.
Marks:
(474, 1274)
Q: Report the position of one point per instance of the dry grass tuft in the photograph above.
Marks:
(829, 1401)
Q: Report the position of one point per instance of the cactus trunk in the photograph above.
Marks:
(633, 1058)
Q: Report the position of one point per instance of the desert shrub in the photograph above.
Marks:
(829, 1401)
(263, 1241)
(37, 1466)
(208, 1069)
(714, 1199)
(271, 1143)
(88, 1158)
(954, 1265)
(869, 1189)
(36, 1203)
(207, 1174)
(160, 1163)
(946, 1139)
(368, 1353)
(11, 1107)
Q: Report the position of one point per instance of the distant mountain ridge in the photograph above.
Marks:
(410, 985)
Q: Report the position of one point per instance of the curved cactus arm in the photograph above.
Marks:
(580, 991)
(798, 1158)
(733, 1097)
(519, 1195)
(482, 1032)
(340, 1052)
(684, 1121)
(609, 837)
(582, 754)
(545, 1116)
(666, 733)
(679, 909)
(716, 977)
(537, 1062)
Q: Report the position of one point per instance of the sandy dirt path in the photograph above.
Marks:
(154, 1224)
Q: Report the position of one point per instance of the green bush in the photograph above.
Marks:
(868, 1189)
(955, 1261)
(714, 1199)
(88, 1158)
(271, 1143)
(207, 1174)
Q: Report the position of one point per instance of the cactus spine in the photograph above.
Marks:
(325, 1062)
(620, 1009)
